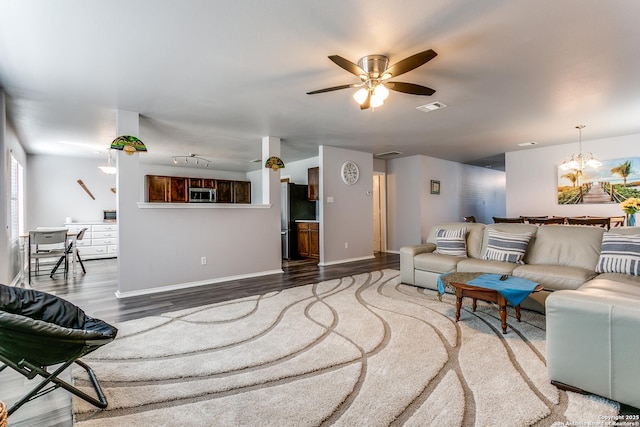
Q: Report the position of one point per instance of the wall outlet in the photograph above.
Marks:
(203, 260)
(346, 245)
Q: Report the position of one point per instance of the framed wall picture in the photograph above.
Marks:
(435, 187)
(614, 181)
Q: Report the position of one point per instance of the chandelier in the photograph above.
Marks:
(109, 169)
(191, 159)
(578, 161)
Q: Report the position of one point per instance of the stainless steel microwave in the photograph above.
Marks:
(202, 195)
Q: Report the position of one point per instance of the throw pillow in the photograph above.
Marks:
(506, 247)
(451, 242)
(620, 253)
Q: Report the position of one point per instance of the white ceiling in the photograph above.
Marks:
(214, 77)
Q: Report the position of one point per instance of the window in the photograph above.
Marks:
(17, 199)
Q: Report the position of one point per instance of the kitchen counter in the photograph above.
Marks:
(308, 220)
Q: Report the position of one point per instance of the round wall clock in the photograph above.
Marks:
(349, 172)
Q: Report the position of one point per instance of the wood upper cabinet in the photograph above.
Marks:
(224, 192)
(242, 192)
(202, 183)
(167, 189)
(178, 190)
(157, 188)
(313, 179)
(174, 189)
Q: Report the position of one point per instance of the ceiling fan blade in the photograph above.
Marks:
(347, 65)
(412, 62)
(367, 102)
(410, 88)
(330, 89)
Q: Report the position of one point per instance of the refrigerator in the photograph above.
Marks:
(294, 205)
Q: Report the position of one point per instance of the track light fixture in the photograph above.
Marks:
(192, 159)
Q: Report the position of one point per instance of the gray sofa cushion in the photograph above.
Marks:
(470, 265)
(567, 245)
(436, 262)
(612, 286)
(555, 277)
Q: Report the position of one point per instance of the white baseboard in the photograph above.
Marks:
(178, 286)
(392, 251)
(342, 261)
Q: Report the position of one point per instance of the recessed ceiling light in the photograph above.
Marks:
(526, 144)
(432, 106)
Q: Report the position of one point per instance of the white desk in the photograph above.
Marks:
(24, 255)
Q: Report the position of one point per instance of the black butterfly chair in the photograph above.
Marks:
(39, 330)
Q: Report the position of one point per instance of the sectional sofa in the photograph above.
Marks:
(591, 292)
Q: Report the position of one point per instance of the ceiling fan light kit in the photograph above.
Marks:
(374, 72)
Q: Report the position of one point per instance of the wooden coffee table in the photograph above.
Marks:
(489, 295)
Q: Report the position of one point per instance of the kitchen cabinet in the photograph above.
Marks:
(202, 183)
(224, 192)
(174, 189)
(313, 179)
(178, 190)
(166, 189)
(308, 239)
(242, 192)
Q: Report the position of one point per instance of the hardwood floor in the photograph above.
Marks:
(95, 291)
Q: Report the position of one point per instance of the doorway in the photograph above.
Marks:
(379, 197)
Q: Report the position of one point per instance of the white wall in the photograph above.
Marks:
(349, 218)
(9, 144)
(53, 193)
(532, 177)
(5, 169)
(297, 172)
(464, 190)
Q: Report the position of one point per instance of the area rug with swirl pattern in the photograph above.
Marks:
(363, 350)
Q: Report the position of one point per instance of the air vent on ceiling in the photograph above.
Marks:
(430, 107)
(389, 154)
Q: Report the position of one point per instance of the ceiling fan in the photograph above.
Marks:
(374, 72)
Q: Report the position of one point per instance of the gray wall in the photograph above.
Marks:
(464, 190)
(532, 177)
(349, 218)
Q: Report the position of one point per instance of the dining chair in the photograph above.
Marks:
(616, 221)
(546, 221)
(69, 252)
(603, 222)
(47, 244)
(497, 220)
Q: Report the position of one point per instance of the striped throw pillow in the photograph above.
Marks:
(620, 253)
(506, 247)
(451, 242)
